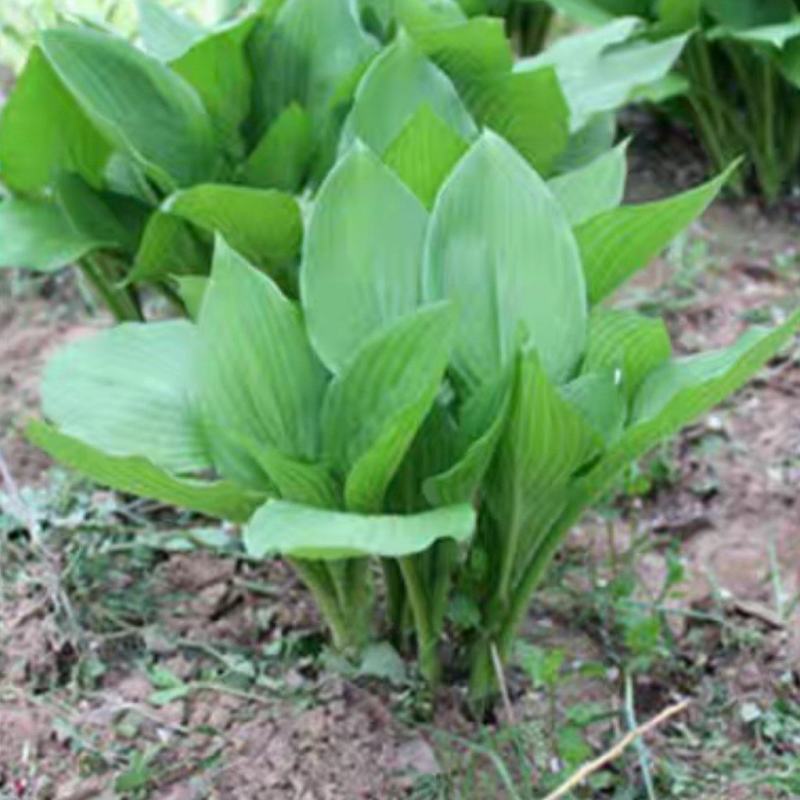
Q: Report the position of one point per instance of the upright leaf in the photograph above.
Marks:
(217, 67)
(398, 82)
(546, 440)
(373, 409)
(165, 33)
(43, 131)
(168, 248)
(136, 102)
(526, 108)
(617, 243)
(500, 247)
(261, 382)
(424, 153)
(598, 73)
(131, 391)
(305, 55)
(264, 225)
(362, 256)
(298, 531)
(626, 342)
(588, 191)
(282, 157)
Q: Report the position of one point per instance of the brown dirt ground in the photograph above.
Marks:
(734, 508)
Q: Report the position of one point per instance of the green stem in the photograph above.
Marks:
(395, 599)
(427, 639)
(318, 580)
(445, 555)
(121, 302)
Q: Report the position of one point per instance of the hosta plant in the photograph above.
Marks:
(740, 74)
(129, 159)
(447, 397)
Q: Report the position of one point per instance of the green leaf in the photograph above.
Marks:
(302, 532)
(263, 224)
(103, 216)
(676, 16)
(131, 391)
(136, 102)
(373, 409)
(627, 342)
(587, 12)
(260, 379)
(590, 190)
(282, 157)
(588, 143)
(305, 56)
(500, 247)
(775, 35)
(138, 476)
(165, 33)
(597, 396)
(168, 248)
(397, 83)
(750, 13)
(192, 289)
(481, 425)
(217, 67)
(349, 270)
(39, 236)
(424, 153)
(676, 393)
(44, 131)
(526, 108)
(544, 443)
(468, 50)
(617, 243)
(599, 73)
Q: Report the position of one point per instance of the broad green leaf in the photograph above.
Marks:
(424, 153)
(137, 475)
(776, 35)
(131, 391)
(103, 216)
(260, 379)
(528, 109)
(362, 256)
(136, 102)
(165, 33)
(420, 16)
(617, 243)
(598, 73)
(39, 236)
(264, 225)
(545, 441)
(750, 13)
(598, 397)
(627, 342)
(217, 67)
(676, 16)
(299, 531)
(479, 431)
(590, 190)
(501, 249)
(594, 139)
(397, 83)
(675, 394)
(306, 54)
(192, 289)
(298, 481)
(587, 12)
(373, 409)
(168, 248)
(282, 157)
(468, 50)
(44, 131)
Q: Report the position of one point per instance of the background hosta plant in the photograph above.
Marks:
(740, 73)
(127, 160)
(448, 395)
